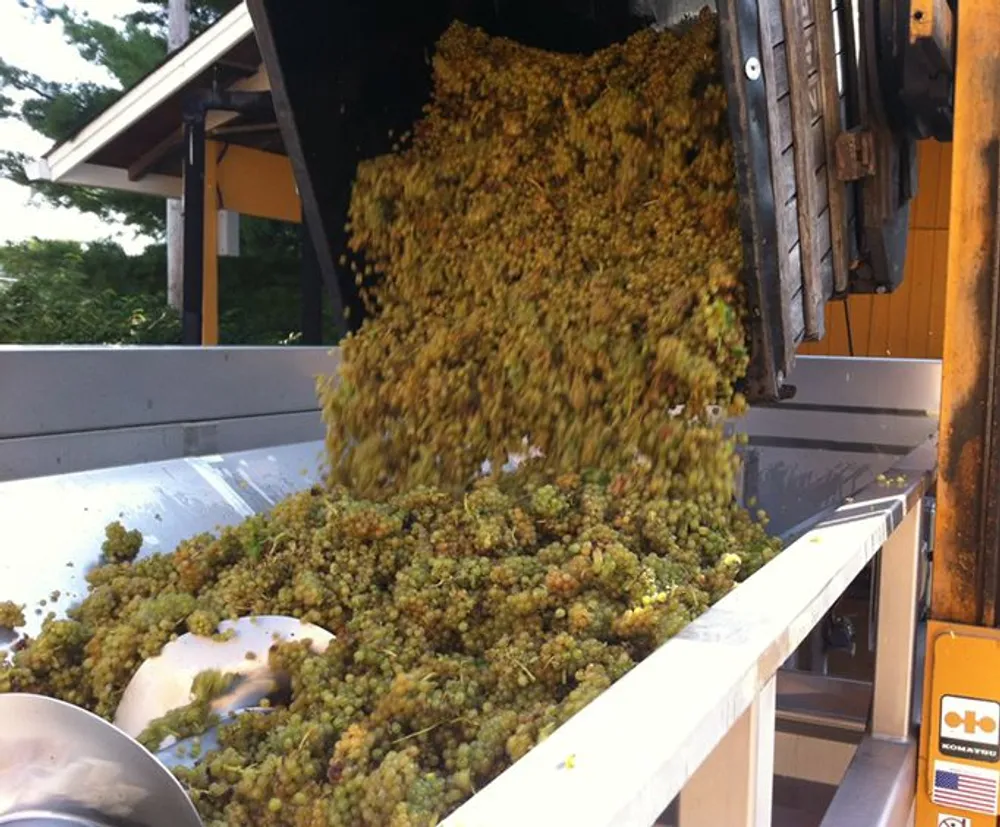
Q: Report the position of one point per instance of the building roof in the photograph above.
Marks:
(135, 144)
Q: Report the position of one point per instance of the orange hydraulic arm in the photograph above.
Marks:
(966, 574)
(959, 769)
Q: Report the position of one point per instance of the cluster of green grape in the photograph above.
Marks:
(11, 615)
(467, 628)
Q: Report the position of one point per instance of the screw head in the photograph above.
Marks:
(752, 68)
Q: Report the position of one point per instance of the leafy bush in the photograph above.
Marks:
(62, 307)
(71, 293)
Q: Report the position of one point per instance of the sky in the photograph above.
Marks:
(40, 48)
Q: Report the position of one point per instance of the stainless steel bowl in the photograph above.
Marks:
(45, 819)
(61, 766)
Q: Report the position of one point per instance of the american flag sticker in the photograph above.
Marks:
(965, 787)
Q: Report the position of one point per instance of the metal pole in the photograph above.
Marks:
(194, 225)
(178, 33)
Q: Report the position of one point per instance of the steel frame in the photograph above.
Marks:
(704, 708)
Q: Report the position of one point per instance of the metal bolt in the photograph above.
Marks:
(752, 68)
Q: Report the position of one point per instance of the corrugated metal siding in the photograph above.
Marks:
(910, 322)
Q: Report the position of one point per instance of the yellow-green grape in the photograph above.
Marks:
(11, 615)
(451, 657)
(121, 546)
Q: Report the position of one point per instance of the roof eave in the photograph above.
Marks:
(69, 162)
(109, 178)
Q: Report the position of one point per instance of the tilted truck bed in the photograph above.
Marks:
(347, 75)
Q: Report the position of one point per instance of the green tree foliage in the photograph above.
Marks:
(259, 291)
(67, 293)
(58, 110)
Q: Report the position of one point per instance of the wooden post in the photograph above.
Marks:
(178, 32)
(966, 580)
(210, 290)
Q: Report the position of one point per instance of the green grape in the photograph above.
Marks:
(11, 615)
(121, 546)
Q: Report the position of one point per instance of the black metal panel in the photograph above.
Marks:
(748, 118)
(916, 71)
(885, 196)
(193, 282)
(343, 74)
(853, 108)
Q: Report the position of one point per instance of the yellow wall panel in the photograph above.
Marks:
(910, 322)
(923, 210)
(253, 182)
(943, 188)
(899, 312)
(920, 277)
(862, 314)
(935, 336)
(837, 327)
